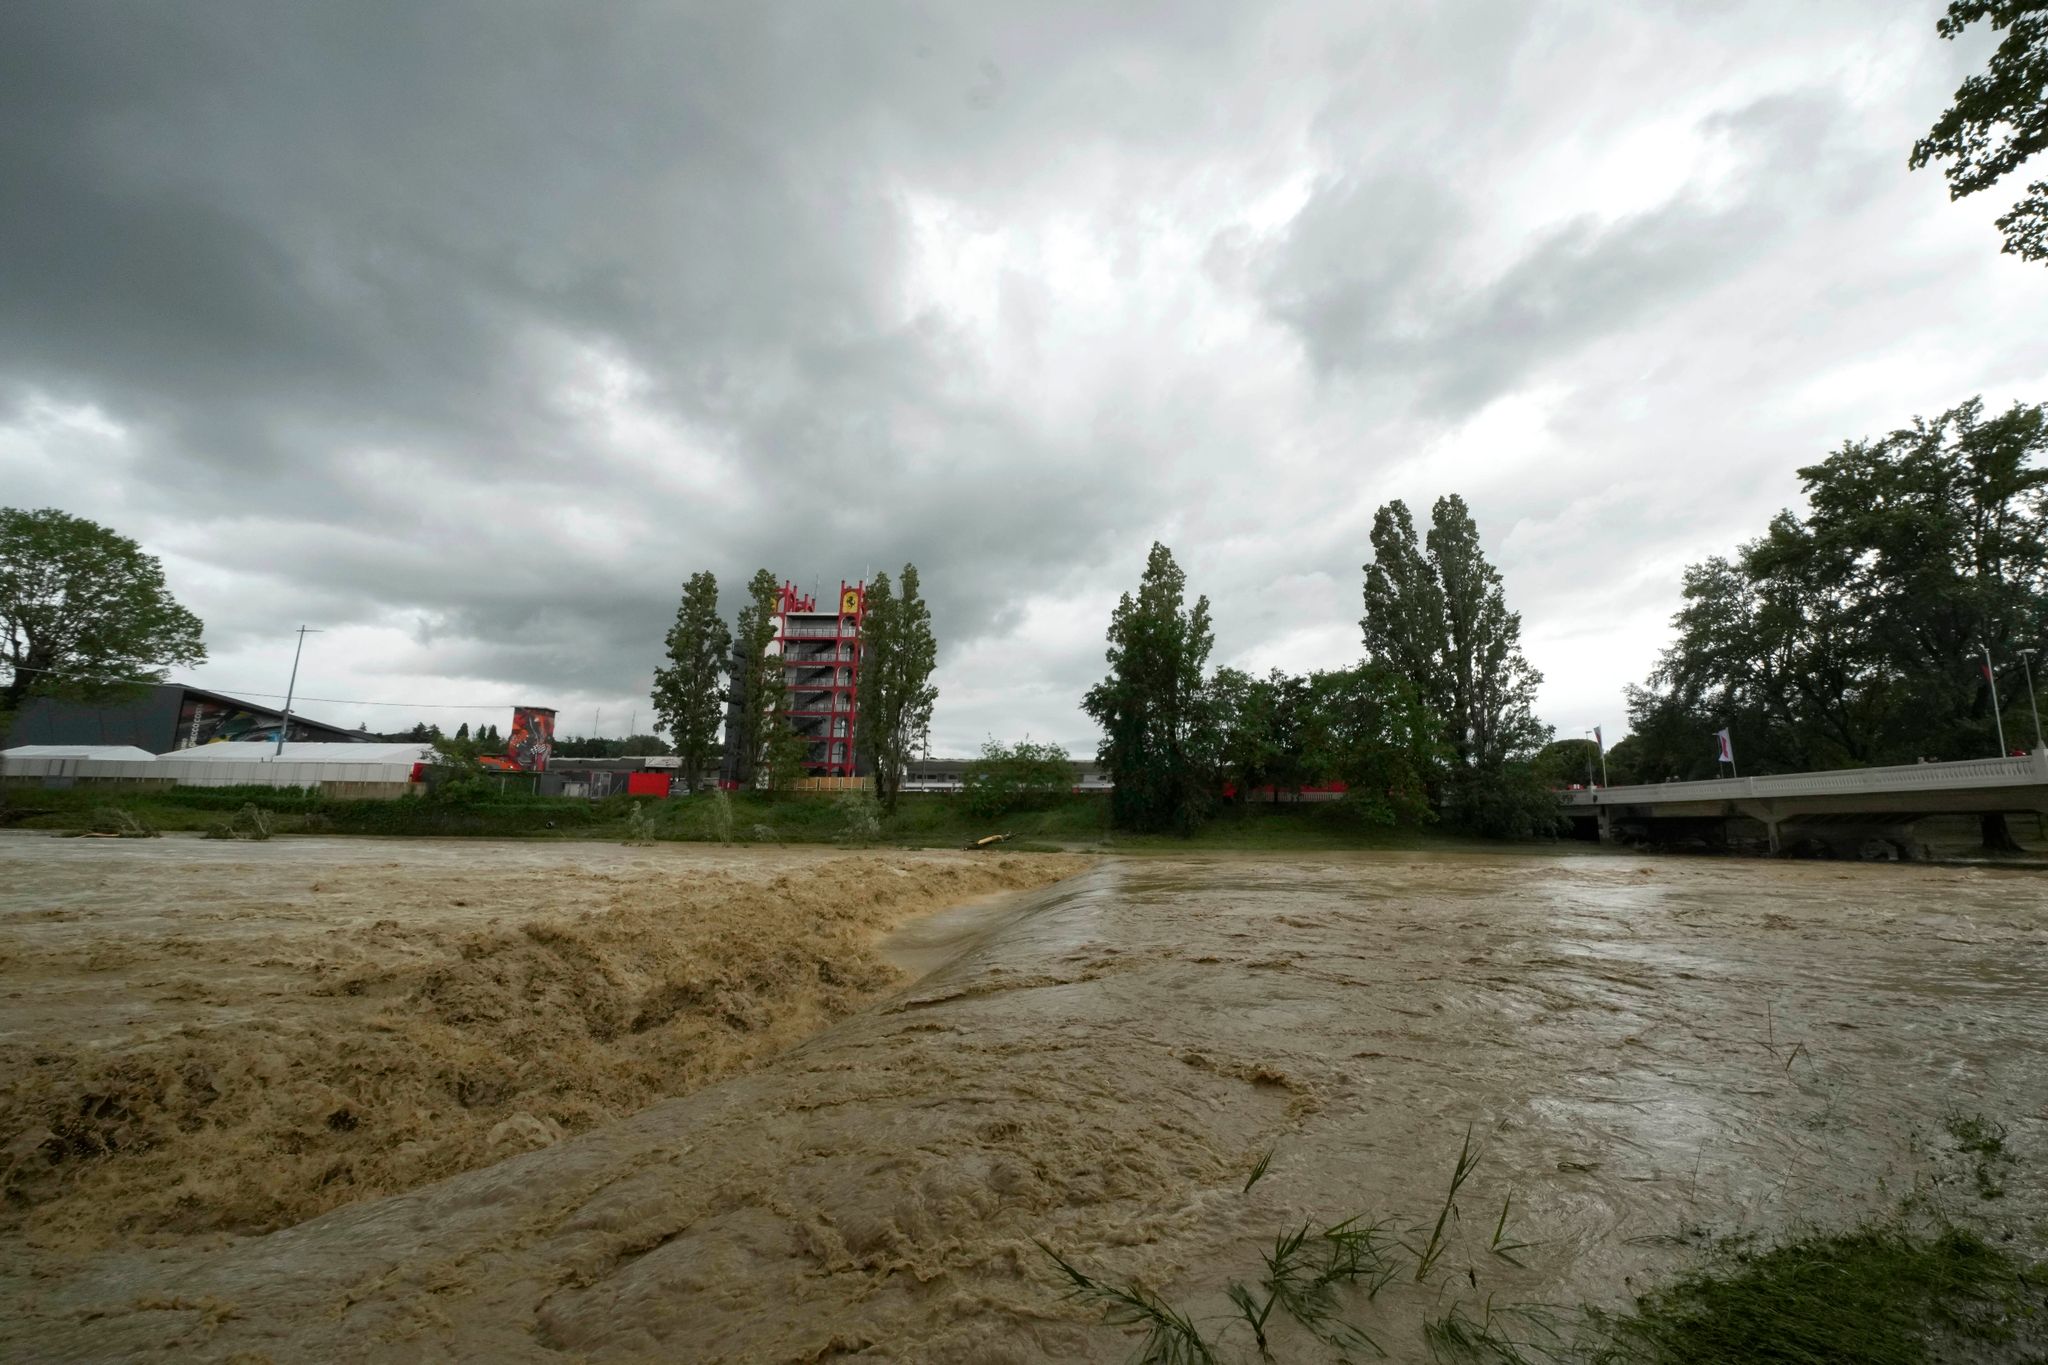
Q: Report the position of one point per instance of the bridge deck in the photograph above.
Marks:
(1975, 782)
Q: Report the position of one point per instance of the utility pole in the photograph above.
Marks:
(1992, 678)
(291, 687)
(2033, 703)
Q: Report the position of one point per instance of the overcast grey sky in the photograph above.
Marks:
(466, 332)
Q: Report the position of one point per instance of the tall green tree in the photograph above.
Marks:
(1263, 731)
(1565, 762)
(2000, 117)
(81, 604)
(1436, 615)
(895, 695)
(758, 678)
(1022, 776)
(689, 692)
(1157, 732)
(1849, 636)
(1248, 745)
(1368, 727)
(782, 754)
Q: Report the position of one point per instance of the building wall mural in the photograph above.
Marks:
(532, 741)
(209, 722)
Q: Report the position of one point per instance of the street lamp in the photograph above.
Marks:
(2027, 662)
(289, 688)
(1996, 715)
(1601, 745)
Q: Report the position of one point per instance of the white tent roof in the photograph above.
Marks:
(124, 753)
(302, 751)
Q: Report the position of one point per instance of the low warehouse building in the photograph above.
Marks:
(160, 718)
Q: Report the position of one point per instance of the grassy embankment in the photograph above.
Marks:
(921, 821)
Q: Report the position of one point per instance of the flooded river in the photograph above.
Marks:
(1638, 1048)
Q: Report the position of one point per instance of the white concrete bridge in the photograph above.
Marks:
(1850, 803)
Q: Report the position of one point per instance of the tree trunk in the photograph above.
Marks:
(1997, 835)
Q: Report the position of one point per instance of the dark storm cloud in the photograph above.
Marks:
(486, 324)
(1370, 276)
(274, 236)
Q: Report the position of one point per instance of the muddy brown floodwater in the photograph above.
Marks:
(200, 1037)
(1636, 1046)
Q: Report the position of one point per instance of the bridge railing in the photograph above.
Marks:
(1972, 772)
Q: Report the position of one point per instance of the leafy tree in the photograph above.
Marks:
(630, 746)
(1564, 762)
(1850, 636)
(689, 697)
(1671, 738)
(1999, 118)
(1245, 712)
(782, 754)
(1368, 727)
(458, 779)
(1152, 707)
(860, 817)
(1021, 776)
(758, 679)
(1510, 802)
(81, 605)
(897, 656)
(1627, 763)
(457, 750)
(1263, 731)
(462, 732)
(1437, 616)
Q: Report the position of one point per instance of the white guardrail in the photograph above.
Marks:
(1910, 777)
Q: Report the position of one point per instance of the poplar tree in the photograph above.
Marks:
(1153, 707)
(1437, 617)
(1436, 614)
(897, 656)
(689, 695)
(758, 677)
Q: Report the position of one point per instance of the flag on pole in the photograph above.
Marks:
(1726, 748)
(1597, 741)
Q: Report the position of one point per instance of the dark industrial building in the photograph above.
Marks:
(162, 718)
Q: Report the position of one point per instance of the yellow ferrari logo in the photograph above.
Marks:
(849, 603)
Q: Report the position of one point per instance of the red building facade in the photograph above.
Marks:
(820, 652)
